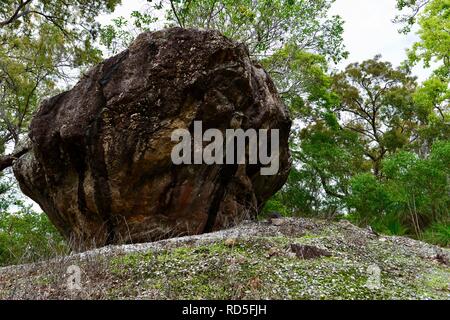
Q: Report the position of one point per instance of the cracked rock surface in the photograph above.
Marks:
(99, 162)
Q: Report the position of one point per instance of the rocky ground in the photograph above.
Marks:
(277, 259)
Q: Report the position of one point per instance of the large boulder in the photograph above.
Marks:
(100, 161)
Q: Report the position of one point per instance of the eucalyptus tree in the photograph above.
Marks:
(432, 19)
(376, 102)
(283, 34)
(42, 43)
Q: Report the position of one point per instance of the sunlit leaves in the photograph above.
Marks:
(433, 19)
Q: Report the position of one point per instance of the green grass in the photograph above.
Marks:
(245, 271)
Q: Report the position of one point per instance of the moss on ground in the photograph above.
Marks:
(263, 268)
(253, 261)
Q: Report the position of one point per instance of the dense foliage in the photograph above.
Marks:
(377, 151)
(25, 235)
(43, 43)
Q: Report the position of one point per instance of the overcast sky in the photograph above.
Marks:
(368, 30)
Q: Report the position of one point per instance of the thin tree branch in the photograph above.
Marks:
(180, 22)
(17, 14)
(7, 161)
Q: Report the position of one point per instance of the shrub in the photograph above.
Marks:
(438, 233)
(27, 236)
(412, 197)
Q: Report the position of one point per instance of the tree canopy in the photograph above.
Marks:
(42, 43)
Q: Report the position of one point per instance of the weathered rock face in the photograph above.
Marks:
(100, 161)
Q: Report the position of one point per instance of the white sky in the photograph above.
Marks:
(368, 30)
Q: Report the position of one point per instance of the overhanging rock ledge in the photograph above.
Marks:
(100, 163)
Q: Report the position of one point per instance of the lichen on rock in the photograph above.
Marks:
(100, 165)
(251, 261)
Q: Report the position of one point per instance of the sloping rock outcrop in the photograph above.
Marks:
(251, 261)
